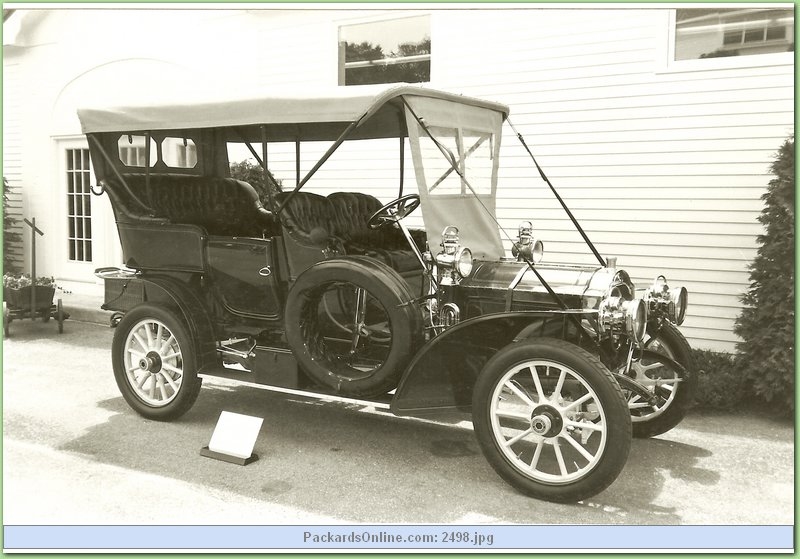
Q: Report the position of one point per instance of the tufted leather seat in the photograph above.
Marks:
(304, 213)
(223, 206)
(351, 211)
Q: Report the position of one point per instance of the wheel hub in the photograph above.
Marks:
(150, 362)
(546, 421)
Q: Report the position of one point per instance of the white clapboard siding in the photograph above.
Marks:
(664, 170)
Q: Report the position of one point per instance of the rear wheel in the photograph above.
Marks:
(551, 420)
(350, 326)
(154, 362)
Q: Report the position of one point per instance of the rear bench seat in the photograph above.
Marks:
(230, 207)
(223, 206)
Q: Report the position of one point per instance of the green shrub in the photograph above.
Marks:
(766, 325)
(252, 173)
(10, 237)
(720, 385)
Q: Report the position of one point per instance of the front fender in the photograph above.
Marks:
(441, 375)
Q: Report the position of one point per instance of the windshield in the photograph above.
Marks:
(455, 150)
(472, 153)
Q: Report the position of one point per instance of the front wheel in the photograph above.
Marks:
(551, 420)
(154, 362)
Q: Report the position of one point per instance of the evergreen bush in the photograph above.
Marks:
(10, 237)
(720, 385)
(766, 325)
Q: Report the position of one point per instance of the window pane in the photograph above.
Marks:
(397, 50)
(440, 177)
(775, 33)
(478, 155)
(79, 206)
(179, 153)
(132, 150)
(713, 33)
(754, 35)
(412, 72)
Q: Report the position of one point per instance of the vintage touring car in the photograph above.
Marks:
(326, 290)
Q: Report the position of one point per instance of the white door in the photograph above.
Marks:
(89, 238)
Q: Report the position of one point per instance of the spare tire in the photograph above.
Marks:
(350, 325)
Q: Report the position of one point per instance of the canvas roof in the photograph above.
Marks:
(306, 114)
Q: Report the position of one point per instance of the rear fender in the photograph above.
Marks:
(173, 293)
(442, 374)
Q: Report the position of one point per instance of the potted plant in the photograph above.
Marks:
(17, 291)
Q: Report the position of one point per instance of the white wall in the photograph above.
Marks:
(664, 168)
(663, 164)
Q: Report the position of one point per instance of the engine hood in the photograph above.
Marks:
(578, 286)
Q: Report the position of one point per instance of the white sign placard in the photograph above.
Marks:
(235, 434)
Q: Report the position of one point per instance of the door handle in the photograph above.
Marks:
(265, 271)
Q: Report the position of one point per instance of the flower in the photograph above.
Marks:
(18, 281)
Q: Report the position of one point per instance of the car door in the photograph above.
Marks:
(243, 272)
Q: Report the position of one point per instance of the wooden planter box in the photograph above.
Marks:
(20, 299)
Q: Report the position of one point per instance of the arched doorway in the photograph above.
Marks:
(84, 236)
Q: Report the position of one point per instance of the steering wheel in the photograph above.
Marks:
(394, 211)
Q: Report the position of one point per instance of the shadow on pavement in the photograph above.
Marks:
(336, 460)
(650, 462)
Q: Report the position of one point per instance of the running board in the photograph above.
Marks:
(378, 404)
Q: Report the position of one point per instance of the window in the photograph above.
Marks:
(397, 50)
(179, 153)
(472, 153)
(79, 205)
(132, 152)
(715, 33)
(440, 177)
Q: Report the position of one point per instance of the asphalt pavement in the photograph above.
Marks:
(75, 453)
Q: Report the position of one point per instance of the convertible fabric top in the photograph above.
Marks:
(308, 114)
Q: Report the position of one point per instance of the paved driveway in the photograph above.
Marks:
(72, 442)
